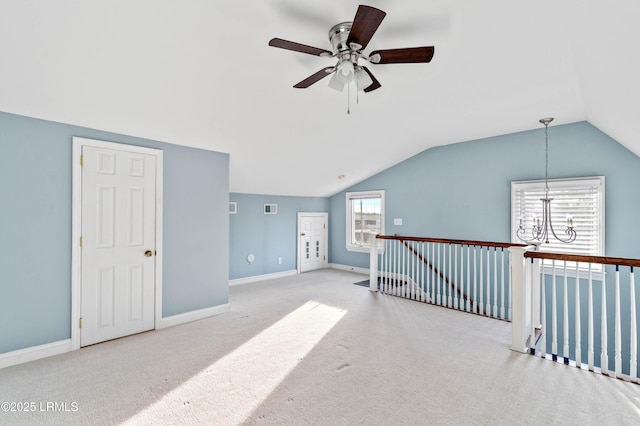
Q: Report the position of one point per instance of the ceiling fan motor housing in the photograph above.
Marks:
(338, 35)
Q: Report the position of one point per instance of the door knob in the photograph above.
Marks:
(303, 234)
(148, 253)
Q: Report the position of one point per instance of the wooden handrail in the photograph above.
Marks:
(621, 261)
(450, 241)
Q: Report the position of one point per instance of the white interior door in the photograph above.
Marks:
(118, 243)
(312, 245)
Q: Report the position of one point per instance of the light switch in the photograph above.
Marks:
(397, 221)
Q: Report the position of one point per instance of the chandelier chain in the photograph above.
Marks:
(540, 229)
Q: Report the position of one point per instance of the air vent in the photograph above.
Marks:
(270, 209)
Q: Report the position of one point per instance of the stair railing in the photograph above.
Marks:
(467, 275)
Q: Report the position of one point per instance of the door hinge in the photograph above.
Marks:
(80, 241)
(80, 322)
(81, 160)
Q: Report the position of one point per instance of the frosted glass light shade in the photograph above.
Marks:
(345, 72)
(362, 79)
(335, 83)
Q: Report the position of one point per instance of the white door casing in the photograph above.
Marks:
(312, 241)
(117, 264)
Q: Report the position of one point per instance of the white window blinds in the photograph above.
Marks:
(580, 199)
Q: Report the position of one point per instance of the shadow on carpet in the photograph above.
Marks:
(392, 283)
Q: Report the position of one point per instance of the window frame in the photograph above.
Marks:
(349, 197)
(558, 184)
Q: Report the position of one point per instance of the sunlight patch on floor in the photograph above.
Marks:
(229, 390)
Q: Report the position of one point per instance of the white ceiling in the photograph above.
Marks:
(200, 73)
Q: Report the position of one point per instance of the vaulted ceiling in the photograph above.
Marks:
(200, 73)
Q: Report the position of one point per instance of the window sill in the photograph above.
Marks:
(363, 249)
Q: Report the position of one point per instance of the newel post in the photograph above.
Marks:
(373, 265)
(519, 300)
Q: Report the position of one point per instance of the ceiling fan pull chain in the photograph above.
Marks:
(348, 98)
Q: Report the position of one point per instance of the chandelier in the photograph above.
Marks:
(540, 229)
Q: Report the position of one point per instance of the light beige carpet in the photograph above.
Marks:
(315, 349)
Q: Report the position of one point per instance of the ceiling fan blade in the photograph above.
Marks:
(365, 24)
(297, 47)
(407, 55)
(315, 78)
(373, 86)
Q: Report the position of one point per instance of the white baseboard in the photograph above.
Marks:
(193, 316)
(263, 277)
(364, 271)
(56, 348)
(34, 352)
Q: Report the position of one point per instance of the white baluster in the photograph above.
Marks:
(419, 270)
(554, 313)
(474, 305)
(410, 258)
(405, 278)
(565, 317)
(416, 275)
(434, 291)
(590, 350)
(481, 300)
(425, 258)
(448, 281)
(441, 272)
(398, 280)
(618, 331)
(502, 283)
(418, 285)
(604, 354)
(392, 290)
(495, 282)
(383, 267)
(428, 271)
(456, 290)
(488, 308)
(438, 273)
(633, 366)
(387, 256)
(578, 325)
(468, 304)
(510, 286)
(392, 247)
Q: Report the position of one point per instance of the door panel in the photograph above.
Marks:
(118, 227)
(313, 242)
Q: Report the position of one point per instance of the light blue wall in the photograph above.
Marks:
(35, 228)
(463, 191)
(266, 236)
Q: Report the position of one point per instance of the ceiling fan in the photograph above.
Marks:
(348, 40)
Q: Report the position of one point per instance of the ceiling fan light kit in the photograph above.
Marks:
(348, 40)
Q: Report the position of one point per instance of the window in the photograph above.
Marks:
(579, 199)
(365, 218)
